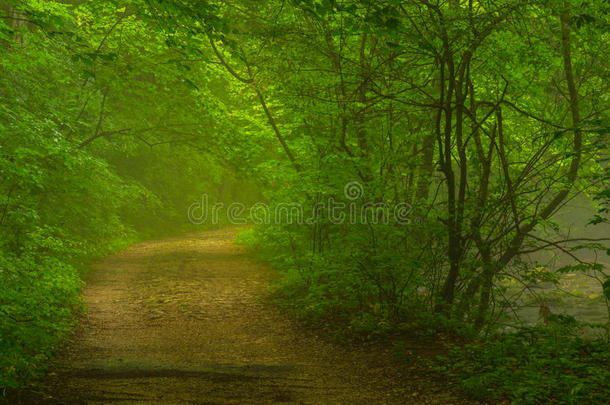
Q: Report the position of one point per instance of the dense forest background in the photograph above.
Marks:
(480, 120)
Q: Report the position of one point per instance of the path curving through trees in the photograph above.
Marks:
(182, 321)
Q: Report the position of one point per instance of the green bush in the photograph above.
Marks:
(37, 300)
(535, 365)
(353, 291)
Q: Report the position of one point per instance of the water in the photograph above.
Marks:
(577, 294)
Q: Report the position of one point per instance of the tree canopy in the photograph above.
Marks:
(464, 125)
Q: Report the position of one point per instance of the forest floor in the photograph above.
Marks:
(184, 321)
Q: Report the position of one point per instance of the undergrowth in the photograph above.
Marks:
(545, 364)
(542, 364)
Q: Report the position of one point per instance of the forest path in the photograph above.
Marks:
(182, 321)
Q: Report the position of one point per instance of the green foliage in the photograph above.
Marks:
(544, 364)
(37, 303)
(365, 293)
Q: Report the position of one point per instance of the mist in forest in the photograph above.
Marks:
(425, 178)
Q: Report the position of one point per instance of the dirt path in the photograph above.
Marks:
(181, 321)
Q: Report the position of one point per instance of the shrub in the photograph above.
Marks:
(535, 365)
